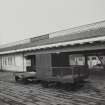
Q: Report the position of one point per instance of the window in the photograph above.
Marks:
(10, 60)
(13, 60)
(77, 59)
(80, 59)
(101, 57)
(5, 60)
(88, 58)
(93, 58)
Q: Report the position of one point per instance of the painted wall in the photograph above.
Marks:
(14, 62)
(0, 62)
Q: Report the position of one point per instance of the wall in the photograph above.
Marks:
(14, 62)
(0, 62)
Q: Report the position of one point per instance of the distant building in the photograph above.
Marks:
(55, 49)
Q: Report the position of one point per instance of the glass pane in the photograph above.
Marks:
(77, 59)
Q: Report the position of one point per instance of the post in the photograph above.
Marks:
(86, 63)
(23, 61)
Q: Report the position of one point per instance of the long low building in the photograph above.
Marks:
(54, 49)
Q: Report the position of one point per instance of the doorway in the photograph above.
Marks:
(60, 64)
(31, 63)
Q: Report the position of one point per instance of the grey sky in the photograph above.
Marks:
(21, 19)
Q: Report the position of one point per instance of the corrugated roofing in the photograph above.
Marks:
(93, 30)
(78, 29)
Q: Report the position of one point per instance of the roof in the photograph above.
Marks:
(78, 35)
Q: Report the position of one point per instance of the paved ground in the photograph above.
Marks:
(11, 93)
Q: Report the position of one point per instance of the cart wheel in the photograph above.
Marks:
(16, 78)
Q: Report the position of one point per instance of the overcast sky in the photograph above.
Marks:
(21, 19)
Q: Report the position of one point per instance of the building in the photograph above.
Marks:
(55, 49)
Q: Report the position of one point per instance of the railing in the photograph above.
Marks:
(63, 71)
(56, 71)
(70, 70)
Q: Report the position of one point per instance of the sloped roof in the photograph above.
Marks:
(89, 31)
